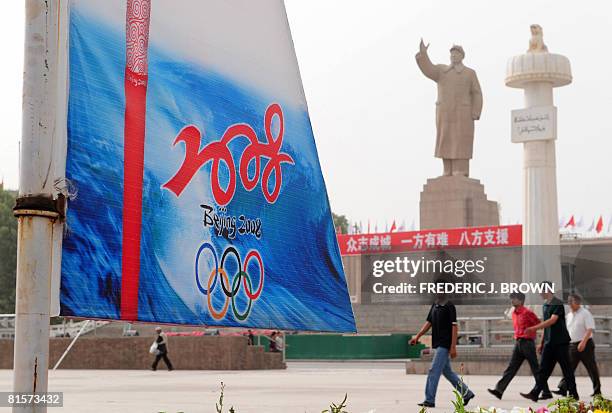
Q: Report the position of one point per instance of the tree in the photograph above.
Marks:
(8, 251)
(341, 222)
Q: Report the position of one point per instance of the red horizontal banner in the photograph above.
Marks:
(435, 239)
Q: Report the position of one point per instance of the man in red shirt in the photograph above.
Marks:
(524, 347)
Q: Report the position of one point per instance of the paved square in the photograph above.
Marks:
(373, 387)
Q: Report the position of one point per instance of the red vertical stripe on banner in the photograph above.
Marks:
(137, 36)
(133, 152)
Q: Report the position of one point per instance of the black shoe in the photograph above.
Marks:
(495, 393)
(596, 394)
(171, 368)
(546, 396)
(426, 404)
(575, 396)
(530, 396)
(560, 392)
(467, 398)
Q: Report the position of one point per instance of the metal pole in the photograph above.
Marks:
(71, 344)
(36, 209)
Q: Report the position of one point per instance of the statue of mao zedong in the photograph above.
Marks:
(459, 104)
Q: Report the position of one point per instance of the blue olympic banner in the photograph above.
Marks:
(199, 184)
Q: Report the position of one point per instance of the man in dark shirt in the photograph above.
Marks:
(162, 350)
(442, 319)
(524, 347)
(554, 346)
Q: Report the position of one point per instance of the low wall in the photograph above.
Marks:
(132, 353)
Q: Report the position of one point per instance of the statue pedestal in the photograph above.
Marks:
(456, 201)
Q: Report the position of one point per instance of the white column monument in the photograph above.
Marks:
(537, 72)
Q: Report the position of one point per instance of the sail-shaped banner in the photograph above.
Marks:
(199, 194)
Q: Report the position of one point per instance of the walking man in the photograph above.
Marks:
(524, 346)
(580, 324)
(162, 350)
(442, 319)
(554, 345)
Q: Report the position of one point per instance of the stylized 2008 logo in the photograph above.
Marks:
(230, 286)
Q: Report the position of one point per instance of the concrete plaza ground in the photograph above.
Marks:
(373, 387)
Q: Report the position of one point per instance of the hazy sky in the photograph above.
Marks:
(373, 111)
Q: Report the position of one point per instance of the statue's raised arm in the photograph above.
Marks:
(429, 69)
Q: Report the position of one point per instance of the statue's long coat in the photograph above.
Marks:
(459, 103)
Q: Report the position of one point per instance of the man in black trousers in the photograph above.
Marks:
(580, 324)
(554, 345)
(524, 346)
(162, 350)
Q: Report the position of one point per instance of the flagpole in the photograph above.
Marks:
(37, 209)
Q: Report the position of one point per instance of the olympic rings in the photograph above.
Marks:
(217, 315)
(235, 252)
(204, 246)
(244, 315)
(248, 290)
(234, 283)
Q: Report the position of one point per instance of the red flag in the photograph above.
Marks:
(599, 226)
(393, 227)
(571, 222)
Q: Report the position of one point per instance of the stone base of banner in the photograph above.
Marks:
(456, 201)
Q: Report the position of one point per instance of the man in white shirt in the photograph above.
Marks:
(580, 325)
